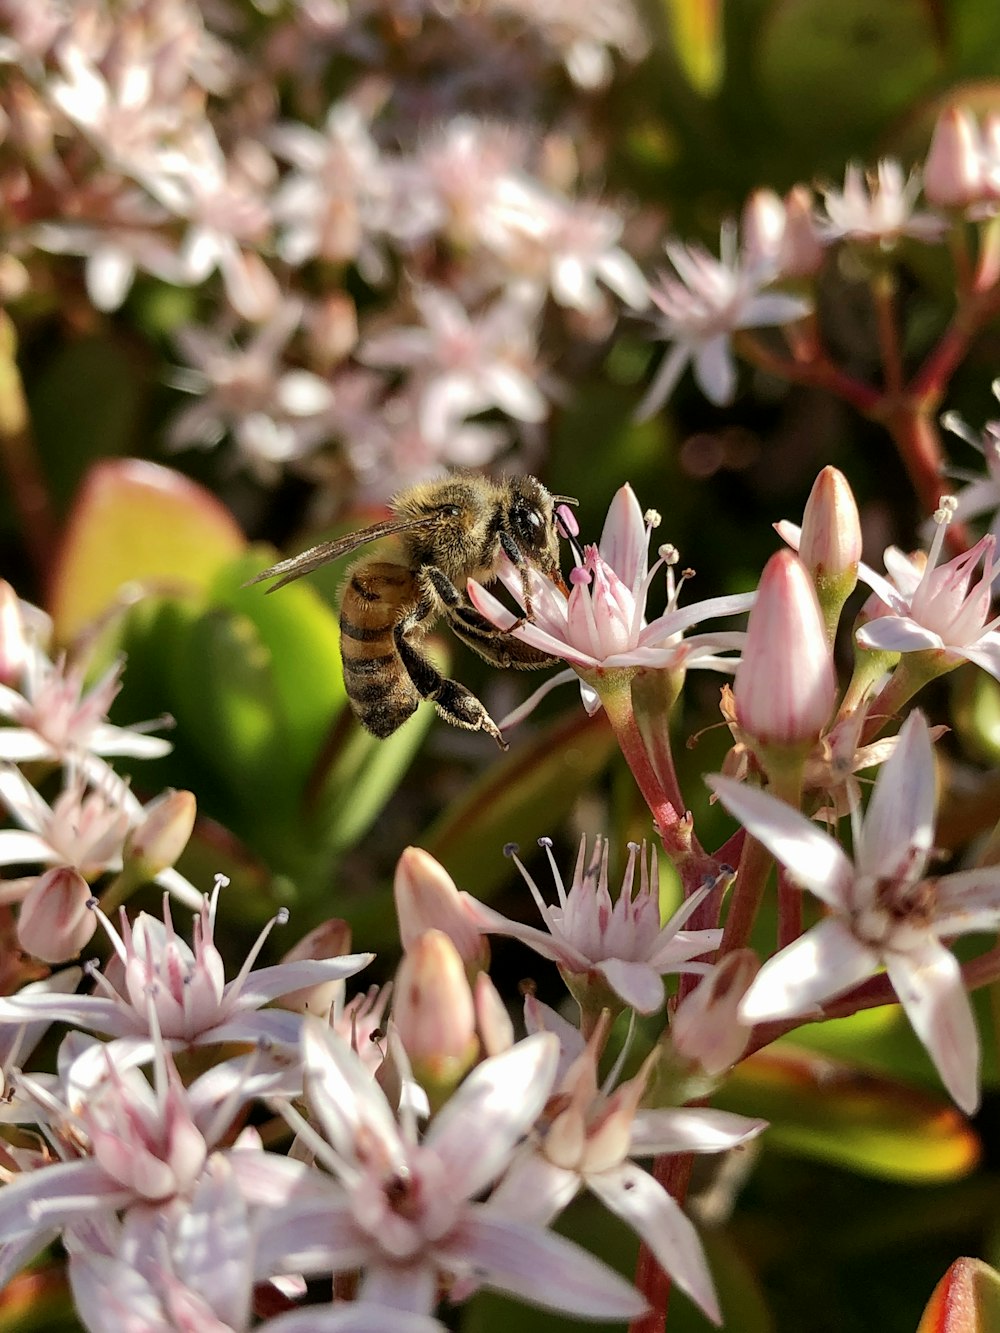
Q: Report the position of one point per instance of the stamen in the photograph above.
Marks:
(652, 518)
(510, 849)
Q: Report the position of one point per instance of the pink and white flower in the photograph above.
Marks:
(884, 911)
(404, 1210)
(879, 207)
(608, 950)
(600, 627)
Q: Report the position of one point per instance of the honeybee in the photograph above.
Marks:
(449, 531)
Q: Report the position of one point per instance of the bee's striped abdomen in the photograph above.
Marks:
(376, 597)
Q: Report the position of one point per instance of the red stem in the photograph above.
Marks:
(674, 1174)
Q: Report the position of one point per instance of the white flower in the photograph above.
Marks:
(701, 308)
(879, 208)
(884, 911)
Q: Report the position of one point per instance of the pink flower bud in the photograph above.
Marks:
(954, 173)
(762, 228)
(164, 832)
(831, 527)
(785, 684)
(55, 922)
(15, 647)
(427, 899)
(434, 1012)
(330, 939)
(496, 1031)
(802, 255)
(705, 1030)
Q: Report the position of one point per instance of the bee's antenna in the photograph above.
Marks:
(565, 500)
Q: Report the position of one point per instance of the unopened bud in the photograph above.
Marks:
(496, 1031)
(705, 1031)
(802, 252)
(330, 939)
(830, 547)
(15, 647)
(954, 173)
(762, 228)
(332, 331)
(785, 684)
(164, 832)
(434, 1014)
(427, 899)
(55, 921)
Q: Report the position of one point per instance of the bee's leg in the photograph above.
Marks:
(454, 702)
(457, 608)
(482, 636)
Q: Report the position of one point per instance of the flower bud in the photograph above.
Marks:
(496, 1031)
(785, 684)
(762, 228)
(15, 648)
(802, 251)
(954, 173)
(164, 832)
(830, 547)
(55, 922)
(330, 939)
(705, 1031)
(434, 1014)
(427, 899)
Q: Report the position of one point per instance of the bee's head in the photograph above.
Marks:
(531, 521)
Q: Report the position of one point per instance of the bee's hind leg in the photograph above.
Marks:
(454, 702)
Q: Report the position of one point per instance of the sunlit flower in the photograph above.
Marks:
(404, 1210)
(172, 993)
(466, 363)
(938, 608)
(588, 1142)
(884, 911)
(608, 949)
(879, 207)
(982, 495)
(701, 308)
(54, 716)
(600, 627)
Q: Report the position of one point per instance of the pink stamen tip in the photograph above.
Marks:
(579, 575)
(567, 521)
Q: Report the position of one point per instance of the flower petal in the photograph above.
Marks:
(929, 984)
(900, 817)
(823, 962)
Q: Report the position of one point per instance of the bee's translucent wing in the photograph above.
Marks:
(287, 571)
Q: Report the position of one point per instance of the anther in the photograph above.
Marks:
(510, 849)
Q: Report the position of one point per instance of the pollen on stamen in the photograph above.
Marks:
(579, 574)
(652, 518)
(281, 916)
(668, 553)
(945, 511)
(545, 842)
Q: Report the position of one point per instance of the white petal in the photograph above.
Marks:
(345, 1097)
(690, 1129)
(900, 815)
(811, 856)
(477, 1129)
(664, 382)
(647, 1207)
(823, 962)
(898, 634)
(930, 988)
(638, 984)
(714, 370)
(542, 1267)
(624, 544)
(968, 901)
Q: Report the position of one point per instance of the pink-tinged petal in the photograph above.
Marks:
(87, 1011)
(18, 746)
(898, 634)
(534, 1190)
(900, 817)
(664, 382)
(645, 1205)
(269, 983)
(638, 984)
(541, 1267)
(539, 1017)
(19, 847)
(715, 370)
(55, 922)
(345, 1097)
(266, 1179)
(518, 714)
(683, 617)
(690, 1129)
(410, 1287)
(624, 544)
(499, 615)
(811, 856)
(968, 901)
(361, 1316)
(985, 654)
(823, 962)
(213, 1248)
(112, 1297)
(556, 949)
(478, 1127)
(108, 740)
(312, 1237)
(52, 1194)
(930, 988)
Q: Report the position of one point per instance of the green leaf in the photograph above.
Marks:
(836, 1112)
(526, 794)
(136, 523)
(966, 1300)
(696, 26)
(850, 64)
